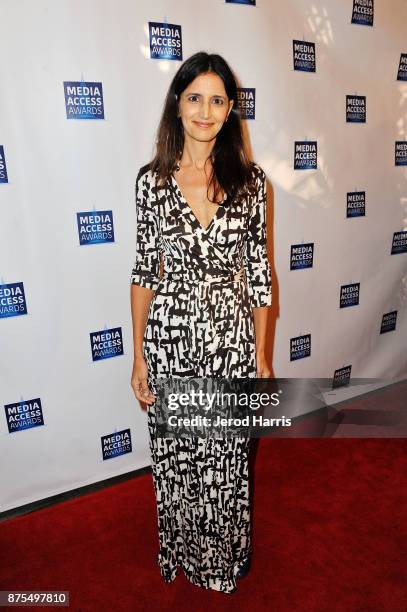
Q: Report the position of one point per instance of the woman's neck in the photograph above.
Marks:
(196, 154)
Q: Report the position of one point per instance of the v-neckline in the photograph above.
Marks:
(185, 202)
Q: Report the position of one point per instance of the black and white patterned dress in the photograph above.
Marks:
(200, 324)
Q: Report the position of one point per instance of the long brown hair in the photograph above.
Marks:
(231, 167)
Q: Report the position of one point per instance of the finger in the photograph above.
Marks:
(145, 391)
(137, 388)
(143, 399)
(135, 384)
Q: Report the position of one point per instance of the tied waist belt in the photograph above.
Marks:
(207, 318)
(203, 276)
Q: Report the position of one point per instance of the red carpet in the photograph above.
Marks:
(329, 535)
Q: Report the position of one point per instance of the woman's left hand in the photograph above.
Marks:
(263, 371)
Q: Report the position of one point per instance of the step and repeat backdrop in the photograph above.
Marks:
(323, 99)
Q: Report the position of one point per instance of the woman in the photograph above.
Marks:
(201, 204)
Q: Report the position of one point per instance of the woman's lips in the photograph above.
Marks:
(203, 125)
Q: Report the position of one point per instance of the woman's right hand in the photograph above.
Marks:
(139, 381)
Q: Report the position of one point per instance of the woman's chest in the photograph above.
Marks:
(179, 223)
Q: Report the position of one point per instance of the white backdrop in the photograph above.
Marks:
(58, 167)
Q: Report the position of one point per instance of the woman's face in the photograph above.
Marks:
(204, 107)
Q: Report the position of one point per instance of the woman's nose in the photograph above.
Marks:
(205, 109)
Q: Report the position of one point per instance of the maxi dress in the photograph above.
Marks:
(200, 324)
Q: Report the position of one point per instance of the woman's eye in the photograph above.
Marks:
(194, 98)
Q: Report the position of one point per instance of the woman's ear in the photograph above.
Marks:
(231, 102)
(177, 99)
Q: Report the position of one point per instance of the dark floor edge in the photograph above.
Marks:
(67, 495)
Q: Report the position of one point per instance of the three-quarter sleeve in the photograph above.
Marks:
(146, 267)
(256, 263)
